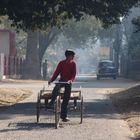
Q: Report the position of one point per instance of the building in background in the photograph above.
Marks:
(104, 53)
(7, 43)
(7, 52)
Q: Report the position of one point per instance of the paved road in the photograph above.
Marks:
(101, 122)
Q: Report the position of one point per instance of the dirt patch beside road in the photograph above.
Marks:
(10, 96)
(127, 102)
(10, 81)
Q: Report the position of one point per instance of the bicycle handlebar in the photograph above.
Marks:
(60, 82)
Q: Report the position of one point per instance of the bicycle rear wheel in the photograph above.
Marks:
(57, 111)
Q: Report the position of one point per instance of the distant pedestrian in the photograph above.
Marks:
(45, 67)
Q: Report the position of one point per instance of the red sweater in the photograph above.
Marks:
(66, 69)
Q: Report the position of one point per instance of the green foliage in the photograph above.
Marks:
(21, 43)
(134, 46)
(135, 53)
(78, 32)
(39, 14)
(136, 22)
(21, 52)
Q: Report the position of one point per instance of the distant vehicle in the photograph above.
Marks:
(106, 68)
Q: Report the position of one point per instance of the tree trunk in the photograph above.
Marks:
(117, 46)
(44, 42)
(32, 63)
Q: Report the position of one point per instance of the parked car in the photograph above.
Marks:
(106, 68)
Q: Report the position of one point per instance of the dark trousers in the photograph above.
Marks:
(67, 92)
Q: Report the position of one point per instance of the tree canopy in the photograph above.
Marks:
(38, 14)
(77, 33)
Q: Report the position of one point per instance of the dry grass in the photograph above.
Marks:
(127, 102)
(10, 81)
(10, 96)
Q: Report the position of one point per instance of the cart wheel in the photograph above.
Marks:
(57, 111)
(75, 104)
(81, 109)
(46, 103)
(38, 107)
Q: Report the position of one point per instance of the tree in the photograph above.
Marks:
(77, 33)
(45, 39)
(134, 44)
(37, 43)
(42, 14)
(136, 22)
(31, 70)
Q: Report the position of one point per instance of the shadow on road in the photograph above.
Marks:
(92, 108)
(27, 126)
(136, 138)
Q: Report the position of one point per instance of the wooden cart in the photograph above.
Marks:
(45, 95)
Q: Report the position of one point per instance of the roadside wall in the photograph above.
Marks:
(1, 66)
(10, 66)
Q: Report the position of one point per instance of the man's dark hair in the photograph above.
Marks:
(69, 52)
